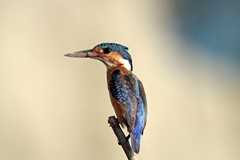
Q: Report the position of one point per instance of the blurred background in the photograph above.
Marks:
(186, 53)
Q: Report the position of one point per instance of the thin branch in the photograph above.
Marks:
(123, 140)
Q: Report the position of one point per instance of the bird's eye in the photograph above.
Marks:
(106, 50)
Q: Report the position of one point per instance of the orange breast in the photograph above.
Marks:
(120, 111)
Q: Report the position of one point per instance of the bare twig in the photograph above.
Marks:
(123, 140)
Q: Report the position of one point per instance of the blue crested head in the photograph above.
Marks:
(121, 49)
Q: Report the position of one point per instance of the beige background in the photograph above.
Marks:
(56, 108)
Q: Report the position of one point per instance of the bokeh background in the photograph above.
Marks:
(185, 52)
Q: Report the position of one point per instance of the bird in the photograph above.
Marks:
(126, 91)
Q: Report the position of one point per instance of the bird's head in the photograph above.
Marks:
(111, 54)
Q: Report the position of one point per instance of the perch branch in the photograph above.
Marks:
(123, 140)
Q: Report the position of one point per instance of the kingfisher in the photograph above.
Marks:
(126, 91)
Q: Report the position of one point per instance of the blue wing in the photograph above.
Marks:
(144, 100)
(129, 91)
(141, 115)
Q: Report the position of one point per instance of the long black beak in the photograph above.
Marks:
(82, 54)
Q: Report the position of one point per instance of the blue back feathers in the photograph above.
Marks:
(126, 89)
(118, 48)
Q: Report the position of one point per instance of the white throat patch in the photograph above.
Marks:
(125, 63)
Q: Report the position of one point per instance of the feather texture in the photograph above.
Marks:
(129, 102)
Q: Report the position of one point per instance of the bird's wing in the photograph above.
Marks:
(143, 96)
(123, 89)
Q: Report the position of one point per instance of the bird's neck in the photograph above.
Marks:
(110, 70)
(125, 63)
(116, 62)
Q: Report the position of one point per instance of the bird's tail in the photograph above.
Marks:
(135, 142)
